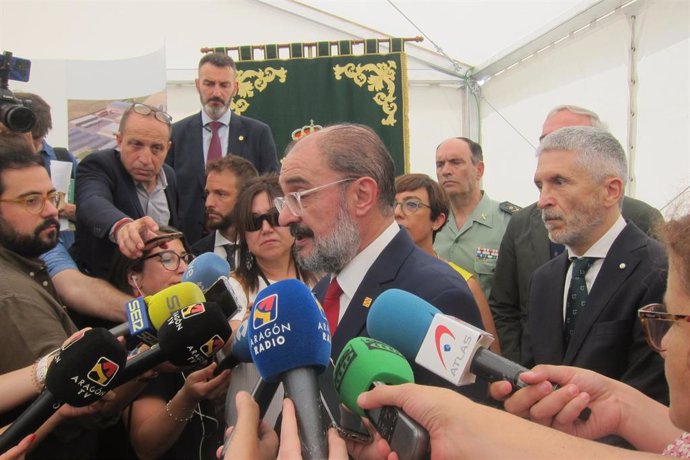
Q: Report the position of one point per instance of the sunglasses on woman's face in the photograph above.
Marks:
(258, 220)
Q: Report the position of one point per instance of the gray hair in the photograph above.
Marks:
(594, 119)
(357, 151)
(597, 150)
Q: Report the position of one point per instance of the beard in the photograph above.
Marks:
(577, 225)
(29, 246)
(215, 111)
(332, 252)
(222, 224)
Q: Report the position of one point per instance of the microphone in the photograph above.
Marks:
(205, 269)
(80, 374)
(289, 340)
(210, 272)
(146, 314)
(446, 346)
(189, 337)
(239, 353)
(365, 363)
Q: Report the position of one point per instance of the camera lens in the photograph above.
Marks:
(17, 117)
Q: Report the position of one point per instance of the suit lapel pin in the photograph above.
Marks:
(367, 302)
(621, 266)
(241, 138)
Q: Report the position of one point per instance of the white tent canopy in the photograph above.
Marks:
(556, 52)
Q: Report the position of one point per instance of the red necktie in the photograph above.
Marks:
(214, 150)
(331, 304)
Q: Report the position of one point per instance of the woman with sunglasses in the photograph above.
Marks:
(264, 257)
(174, 416)
(462, 429)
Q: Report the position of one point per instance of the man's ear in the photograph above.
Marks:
(366, 193)
(613, 191)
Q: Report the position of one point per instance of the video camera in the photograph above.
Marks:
(15, 113)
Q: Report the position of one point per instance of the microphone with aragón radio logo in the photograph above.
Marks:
(81, 373)
(365, 363)
(289, 341)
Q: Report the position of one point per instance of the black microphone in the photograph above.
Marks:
(191, 336)
(82, 372)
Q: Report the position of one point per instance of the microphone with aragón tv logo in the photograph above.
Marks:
(82, 371)
(289, 341)
(446, 346)
(190, 336)
(365, 363)
(146, 314)
(210, 272)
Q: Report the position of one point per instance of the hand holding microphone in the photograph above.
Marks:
(446, 346)
(82, 372)
(365, 363)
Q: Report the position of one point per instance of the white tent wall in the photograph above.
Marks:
(590, 69)
(49, 32)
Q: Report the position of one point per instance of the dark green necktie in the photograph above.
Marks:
(577, 296)
(230, 250)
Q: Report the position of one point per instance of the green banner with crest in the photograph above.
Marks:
(295, 96)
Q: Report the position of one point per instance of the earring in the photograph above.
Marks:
(249, 261)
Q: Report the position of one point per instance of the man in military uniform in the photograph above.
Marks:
(476, 223)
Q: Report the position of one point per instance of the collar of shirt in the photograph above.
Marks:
(221, 240)
(225, 119)
(352, 275)
(482, 214)
(599, 250)
(602, 246)
(161, 183)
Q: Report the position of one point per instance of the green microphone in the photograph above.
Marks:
(364, 361)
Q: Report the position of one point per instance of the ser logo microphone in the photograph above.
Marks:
(103, 371)
(266, 311)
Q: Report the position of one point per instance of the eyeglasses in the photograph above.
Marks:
(410, 206)
(294, 200)
(656, 322)
(170, 260)
(143, 109)
(35, 202)
(257, 221)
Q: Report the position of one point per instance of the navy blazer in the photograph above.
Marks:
(247, 138)
(524, 248)
(106, 193)
(403, 265)
(608, 335)
(205, 244)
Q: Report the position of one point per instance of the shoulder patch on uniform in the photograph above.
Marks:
(509, 207)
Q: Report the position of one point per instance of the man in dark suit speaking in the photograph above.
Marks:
(583, 303)
(211, 134)
(339, 194)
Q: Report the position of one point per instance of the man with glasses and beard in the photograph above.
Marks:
(32, 321)
(124, 194)
(339, 197)
(214, 133)
(583, 303)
